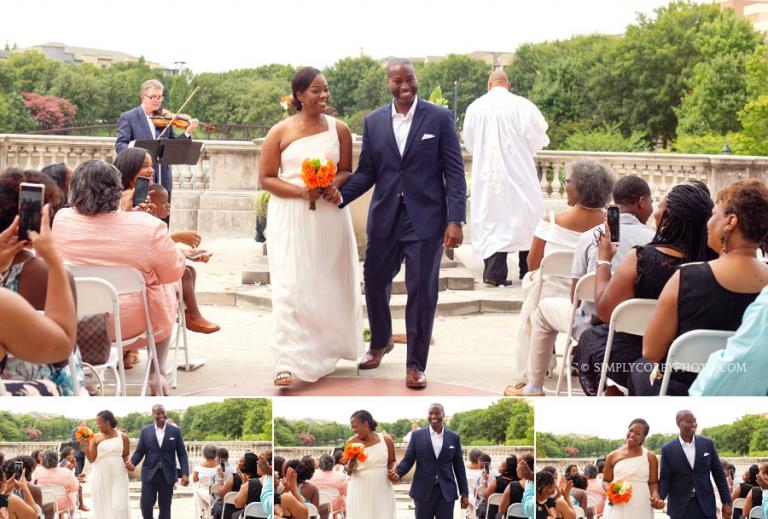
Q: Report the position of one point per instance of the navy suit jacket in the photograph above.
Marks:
(164, 455)
(677, 478)
(133, 126)
(448, 468)
(430, 174)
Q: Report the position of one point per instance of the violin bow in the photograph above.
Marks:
(178, 111)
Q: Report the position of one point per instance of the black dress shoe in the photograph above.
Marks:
(505, 283)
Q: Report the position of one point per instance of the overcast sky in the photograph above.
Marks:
(383, 409)
(610, 417)
(217, 35)
(88, 407)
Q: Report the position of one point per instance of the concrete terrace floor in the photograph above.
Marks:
(468, 356)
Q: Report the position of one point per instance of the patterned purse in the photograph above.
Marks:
(93, 338)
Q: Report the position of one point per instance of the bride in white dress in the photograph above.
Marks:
(639, 467)
(108, 451)
(313, 262)
(370, 494)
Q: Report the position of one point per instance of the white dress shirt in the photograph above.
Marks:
(401, 125)
(689, 449)
(437, 440)
(151, 125)
(160, 434)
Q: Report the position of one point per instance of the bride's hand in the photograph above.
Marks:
(310, 194)
(351, 466)
(332, 195)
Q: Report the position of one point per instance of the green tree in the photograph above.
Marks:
(343, 78)
(371, 91)
(471, 75)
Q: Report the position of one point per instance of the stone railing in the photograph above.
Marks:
(496, 452)
(194, 448)
(741, 463)
(217, 195)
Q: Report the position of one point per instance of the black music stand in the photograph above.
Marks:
(172, 151)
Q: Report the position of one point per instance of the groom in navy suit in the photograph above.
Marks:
(136, 125)
(439, 467)
(686, 465)
(411, 153)
(159, 446)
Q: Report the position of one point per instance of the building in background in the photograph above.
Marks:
(76, 55)
(756, 11)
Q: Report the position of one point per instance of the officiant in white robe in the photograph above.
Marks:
(503, 131)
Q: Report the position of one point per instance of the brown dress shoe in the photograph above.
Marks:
(372, 357)
(201, 326)
(415, 379)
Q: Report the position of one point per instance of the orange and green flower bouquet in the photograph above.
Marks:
(317, 173)
(83, 433)
(619, 492)
(354, 450)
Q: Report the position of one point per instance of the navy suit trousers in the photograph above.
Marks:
(693, 510)
(422, 269)
(159, 490)
(436, 508)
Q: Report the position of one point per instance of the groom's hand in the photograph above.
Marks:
(130, 466)
(726, 511)
(393, 477)
(464, 502)
(332, 195)
(184, 480)
(453, 236)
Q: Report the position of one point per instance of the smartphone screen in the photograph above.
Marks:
(18, 467)
(30, 208)
(141, 191)
(487, 467)
(223, 466)
(613, 222)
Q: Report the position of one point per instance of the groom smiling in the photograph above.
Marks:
(412, 154)
(159, 445)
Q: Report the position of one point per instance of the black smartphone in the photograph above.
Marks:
(223, 466)
(31, 198)
(613, 222)
(141, 190)
(18, 468)
(487, 467)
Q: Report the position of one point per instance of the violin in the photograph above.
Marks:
(162, 118)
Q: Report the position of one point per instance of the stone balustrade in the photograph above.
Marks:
(741, 463)
(496, 452)
(217, 195)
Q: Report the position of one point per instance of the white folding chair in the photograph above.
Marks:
(515, 511)
(593, 501)
(254, 511)
(203, 483)
(631, 316)
(229, 499)
(493, 499)
(691, 351)
(580, 513)
(584, 292)
(757, 512)
(49, 497)
(327, 496)
(313, 513)
(181, 338)
(738, 503)
(124, 281)
(57, 492)
(556, 264)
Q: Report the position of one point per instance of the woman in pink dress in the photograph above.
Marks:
(93, 232)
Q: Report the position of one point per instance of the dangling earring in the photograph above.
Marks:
(724, 242)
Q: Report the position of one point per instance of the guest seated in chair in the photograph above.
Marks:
(250, 491)
(588, 186)
(13, 506)
(93, 232)
(326, 477)
(712, 295)
(54, 476)
(9, 468)
(681, 237)
(755, 496)
(161, 208)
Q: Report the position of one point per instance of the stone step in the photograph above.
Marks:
(452, 277)
(449, 303)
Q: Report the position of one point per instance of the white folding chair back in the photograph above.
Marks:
(584, 292)
(229, 499)
(515, 511)
(254, 511)
(493, 499)
(631, 316)
(580, 513)
(327, 496)
(180, 338)
(49, 497)
(57, 492)
(738, 503)
(2, 388)
(555, 264)
(312, 509)
(690, 352)
(757, 512)
(124, 281)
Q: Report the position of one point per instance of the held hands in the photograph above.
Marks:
(184, 480)
(332, 195)
(130, 467)
(464, 502)
(605, 249)
(453, 236)
(657, 502)
(393, 476)
(727, 509)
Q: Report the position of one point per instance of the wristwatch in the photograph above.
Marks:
(457, 222)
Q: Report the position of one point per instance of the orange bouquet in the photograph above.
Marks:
(317, 173)
(355, 451)
(619, 492)
(83, 433)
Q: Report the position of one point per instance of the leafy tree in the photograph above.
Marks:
(471, 75)
(605, 139)
(34, 71)
(371, 91)
(344, 77)
(51, 113)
